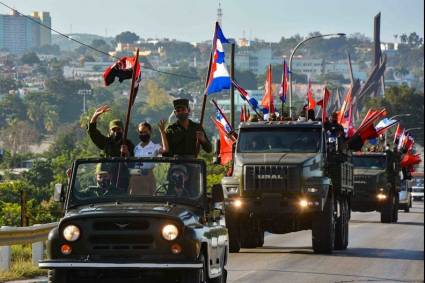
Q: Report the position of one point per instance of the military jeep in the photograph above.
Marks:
(288, 177)
(139, 220)
(377, 185)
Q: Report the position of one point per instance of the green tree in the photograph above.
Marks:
(7, 84)
(12, 107)
(127, 37)
(30, 58)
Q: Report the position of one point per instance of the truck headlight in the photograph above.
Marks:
(381, 196)
(232, 190)
(170, 232)
(312, 190)
(71, 233)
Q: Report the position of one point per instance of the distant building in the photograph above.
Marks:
(19, 34)
(255, 61)
(312, 68)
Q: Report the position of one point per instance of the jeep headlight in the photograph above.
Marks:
(170, 232)
(71, 233)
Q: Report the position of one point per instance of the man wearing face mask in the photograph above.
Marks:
(184, 135)
(143, 180)
(112, 145)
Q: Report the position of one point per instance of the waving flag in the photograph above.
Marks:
(219, 77)
(310, 99)
(268, 100)
(384, 125)
(221, 118)
(122, 69)
(397, 134)
(245, 96)
(324, 104)
(226, 144)
(344, 113)
(283, 90)
(410, 160)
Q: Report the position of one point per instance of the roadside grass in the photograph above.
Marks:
(21, 266)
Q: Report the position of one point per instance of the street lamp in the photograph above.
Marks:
(414, 129)
(292, 56)
(400, 115)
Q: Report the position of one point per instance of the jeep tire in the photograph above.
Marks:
(57, 276)
(323, 229)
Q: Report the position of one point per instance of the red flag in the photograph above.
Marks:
(122, 69)
(368, 133)
(345, 108)
(324, 104)
(410, 160)
(310, 99)
(398, 133)
(268, 100)
(226, 144)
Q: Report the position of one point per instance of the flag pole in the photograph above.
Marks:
(132, 96)
(204, 102)
(232, 87)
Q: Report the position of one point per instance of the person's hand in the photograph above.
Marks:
(69, 173)
(200, 136)
(162, 125)
(99, 111)
(124, 150)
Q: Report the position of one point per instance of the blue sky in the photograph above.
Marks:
(192, 20)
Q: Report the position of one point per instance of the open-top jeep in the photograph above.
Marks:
(147, 220)
(288, 177)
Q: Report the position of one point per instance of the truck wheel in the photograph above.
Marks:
(341, 228)
(250, 235)
(196, 276)
(395, 210)
(323, 229)
(260, 238)
(57, 276)
(407, 209)
(234, 238)
(387, 210)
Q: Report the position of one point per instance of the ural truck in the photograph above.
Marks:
(376, 185)
(288, 177)
(136, 220)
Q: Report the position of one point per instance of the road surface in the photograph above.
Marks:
(377, 253)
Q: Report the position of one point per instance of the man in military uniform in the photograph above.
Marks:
(185, 136)
(112, 145)
(334, 128)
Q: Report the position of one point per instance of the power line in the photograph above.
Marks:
(91, 47)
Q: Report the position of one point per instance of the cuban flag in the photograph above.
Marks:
(384, 125)
(283, 90)
(220, 118)
(219, 76)
(245, 96)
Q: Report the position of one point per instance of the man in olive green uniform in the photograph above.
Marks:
(110, 145)
(185, 136)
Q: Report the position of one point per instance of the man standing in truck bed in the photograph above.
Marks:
(184, 136)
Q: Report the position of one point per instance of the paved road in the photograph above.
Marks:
(377, 253)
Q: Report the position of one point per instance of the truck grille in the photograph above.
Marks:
(364, 186)
(271, 178)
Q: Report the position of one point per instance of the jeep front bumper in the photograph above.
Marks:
(50, 264)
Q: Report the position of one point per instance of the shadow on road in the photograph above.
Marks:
(351, 252)
(379, 222)
(382, 253)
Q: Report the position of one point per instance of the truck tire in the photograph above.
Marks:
(57, 276)
(251, 234)
(234, 239)
(396, 208)
(387, 212)
(323, 229)
(407, 208)
(196, 276)
(260, 239)
(341, 227)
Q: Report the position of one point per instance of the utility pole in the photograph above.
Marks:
(232, 87)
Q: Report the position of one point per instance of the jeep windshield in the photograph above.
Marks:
(99, 181)
(280, 140)
(370, 162)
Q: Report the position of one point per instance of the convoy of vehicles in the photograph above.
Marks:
(120, 221)
(418, 187)
(405, 196)
(376, 185)
(288, 177)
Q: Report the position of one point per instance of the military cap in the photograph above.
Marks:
(182, 102)
(115, 124)
(102, 168)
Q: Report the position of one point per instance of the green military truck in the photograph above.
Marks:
(139, 220)
(376, 185)
(288, 177)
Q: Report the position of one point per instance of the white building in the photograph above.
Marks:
(312, 68)
(256, 61)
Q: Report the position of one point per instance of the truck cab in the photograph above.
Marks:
(377, 185)
(287, 178)
(139, 219)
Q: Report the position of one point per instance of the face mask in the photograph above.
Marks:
(117, 136)
(144, 138)
(178, 181)
(182, 116)
(104, 183)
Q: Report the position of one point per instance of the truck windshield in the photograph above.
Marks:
(280, 140)
(111, 181)
(370, 162)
